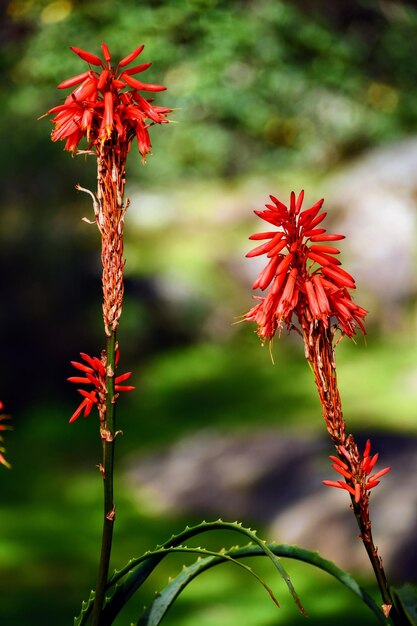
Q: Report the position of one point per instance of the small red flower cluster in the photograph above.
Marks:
(100, 105)
(308, 279)
(95, 374)
(360, 481)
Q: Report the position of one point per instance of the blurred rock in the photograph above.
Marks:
(275, 479)
(377, 200)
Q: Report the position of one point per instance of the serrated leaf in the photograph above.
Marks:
(138, 570)
(86, 609)
(164, 600)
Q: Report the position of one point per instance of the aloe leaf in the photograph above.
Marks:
(164, 600)
(86, 608)
(138, 570)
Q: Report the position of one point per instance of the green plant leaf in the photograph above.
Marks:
(405, 601)
(138, 570)
(86, 608)
(164, 600)
(124, 583)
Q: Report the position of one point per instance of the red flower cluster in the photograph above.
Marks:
(303, 274)
(360, 480)
(100, 105)
(95, 374)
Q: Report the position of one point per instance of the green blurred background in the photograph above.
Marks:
(269, 97)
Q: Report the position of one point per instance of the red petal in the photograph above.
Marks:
(75, 80)
(78, 411)
(137, 69)
(119, 84)
(299, 202)
(340, 470)
(122, 377)
(87, 56)
(88, 409)
(81, 366)
(311, 212)
(106, 53)
(266, 247)
(328, 237)
(314, 232)
(137, 84)
(379, 474)
(312, 299)
(93, 380)
(339, 276)
(278, 203)
(98, 365)
(103, 79)
(89, 359)
(326, 249)
(91, 395)
(282, 242)
(321, 295)
(338, 461)
(314, 222)
(285, 263)
(323, 259)
(259, 236)
(267, 274)
(130, 57)
(79, 380)
(108, 112)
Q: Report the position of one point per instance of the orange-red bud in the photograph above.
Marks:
(87, 56)
(130, 57)
(75, 80)
(106, 52)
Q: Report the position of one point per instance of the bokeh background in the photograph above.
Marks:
(269, 97)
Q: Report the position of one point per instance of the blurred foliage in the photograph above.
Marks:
(256, 83)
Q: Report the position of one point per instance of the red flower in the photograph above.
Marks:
(357, 475)
(102, 104)
(94, 373)
(303, 274)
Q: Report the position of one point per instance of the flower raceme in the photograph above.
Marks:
(107, 101)
(359, 479)
(303, 274)
(94, 373)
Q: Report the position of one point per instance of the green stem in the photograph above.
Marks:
(107, 431)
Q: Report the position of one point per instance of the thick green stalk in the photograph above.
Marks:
(108, 433)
